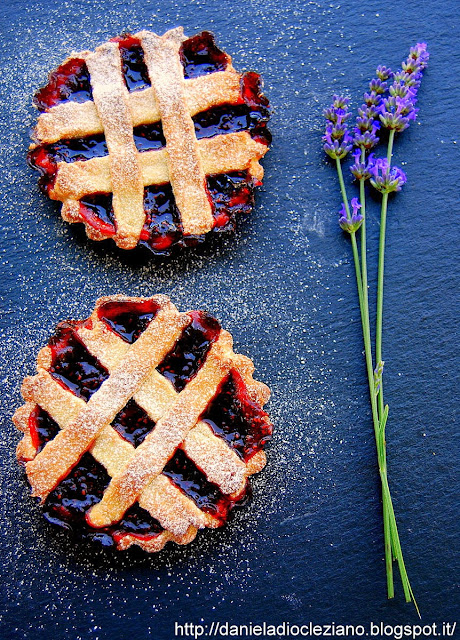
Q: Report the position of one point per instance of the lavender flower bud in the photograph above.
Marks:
(386, 178)
(351, 224)
(337, 140)
(377, 86)
(384, 73)
(366, 140)
(362, 170)
(397, 113)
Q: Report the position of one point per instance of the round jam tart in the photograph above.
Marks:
(142, 425)
(151, 140)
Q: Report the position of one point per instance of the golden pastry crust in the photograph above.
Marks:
(137, 473)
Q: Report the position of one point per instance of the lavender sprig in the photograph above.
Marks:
(397, 111)
(396, 116)
(390, 103)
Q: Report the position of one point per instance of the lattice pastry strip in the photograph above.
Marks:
(111, 98)
(193, 123)
(143, 371)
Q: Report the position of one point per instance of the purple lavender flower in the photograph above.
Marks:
(398, 109)
(351, 224)
(362, 170)
(386, 178)
(367, 123)
(337, 138)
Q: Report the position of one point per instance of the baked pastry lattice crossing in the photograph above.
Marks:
(142, 425)
(151, 140)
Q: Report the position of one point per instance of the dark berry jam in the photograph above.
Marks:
(228, 119)
(191, 481)
(190, 352)
(133, 67)
(70, 81)
(133, 424)
(72, 364)
(42, 428)
(234, 416)
(78, 492)
(162, 228)
(200, 56)
(232, 195)
(97, 211)
(76, 149)
(128, 319)
(149, 136)
(67, 506)
(46, 165)
(137, 521)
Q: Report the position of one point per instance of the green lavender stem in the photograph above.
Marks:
(379, 316)
(392, 542)
(370, 374)
(361, 278)
(354, 244)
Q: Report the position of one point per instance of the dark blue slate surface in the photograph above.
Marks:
(309, 547)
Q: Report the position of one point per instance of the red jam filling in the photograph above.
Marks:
(128, 320)
(70, 81)
(191, 481)
(42, 428)
(72, 364)
(200, 56)
(66, 506)
(190, 352)
(233, 196)
(232, 415)
(96, 210)
(133, 424)
(46, 165)
(133, 67)
(236, 418)
(162, 228)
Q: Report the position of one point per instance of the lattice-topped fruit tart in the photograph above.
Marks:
(142, 425)
(151, 140)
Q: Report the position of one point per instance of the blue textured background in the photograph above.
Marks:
(309, 547)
